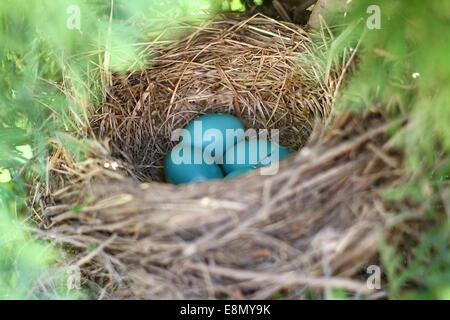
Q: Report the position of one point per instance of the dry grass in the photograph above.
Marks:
(314, 224)
(247, 68)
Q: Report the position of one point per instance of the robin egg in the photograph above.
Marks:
(186, 164)
(214, 133)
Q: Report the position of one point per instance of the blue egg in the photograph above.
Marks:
(239, 172)
(186, 164)
(258, 153)
(214, 133)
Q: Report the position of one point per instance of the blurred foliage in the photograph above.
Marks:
(425, 274)
(404, 67)
(24, 264)
(239, 5)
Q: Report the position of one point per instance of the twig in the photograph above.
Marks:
(95, 252)
(287, 278)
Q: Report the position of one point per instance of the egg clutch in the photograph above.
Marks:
(214, 146)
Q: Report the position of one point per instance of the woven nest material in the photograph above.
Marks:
(252, 69)
(314, 224)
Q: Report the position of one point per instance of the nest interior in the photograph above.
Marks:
(314, 224)
(247, 68)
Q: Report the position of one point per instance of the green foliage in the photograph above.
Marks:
(23, 263)
(239, 5)
(426, 271)
(336, 294)
(404, 67)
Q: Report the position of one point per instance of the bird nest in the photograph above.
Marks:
(314, 224)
